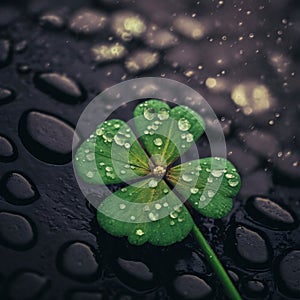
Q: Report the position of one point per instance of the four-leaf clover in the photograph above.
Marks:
(150, 207)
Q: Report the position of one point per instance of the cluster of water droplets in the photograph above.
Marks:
(215, 177)
(153, 211)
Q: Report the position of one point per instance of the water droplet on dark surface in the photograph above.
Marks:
(77, 260)
(51, 21)
(60, 86)
(255, 289)
(251, 246)
(47, 137)
(268, 212)
(8, 151)
(86, 21)
(16, 231)
(28, 285)
(135, 273)
(5, 52)
(191, 287)
(18, 189)
(289, 273)
(287, 168)
(21, 46)
(23, 68)
(6, 95)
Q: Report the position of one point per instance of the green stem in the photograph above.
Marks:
(229, 287)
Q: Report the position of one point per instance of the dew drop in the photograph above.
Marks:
(187, 178)
(108, 169)
(165, 204)
(152, 183)
(194, 190)
(108, 137)
(119, 139)
(165, 191)
(132, 218)
(172, 223)
(210, 194)
(99, 131)
(163, 114)
(157, 206)
(90, 156)
(127, 145)
(139, 232)
(146, 208)
(229, 176)
(153, 216)
(233, 183)
(173, 215)
(90, 174)
(122, 206)
(184, 124)
(216, 173)
(202, 198)
(180, 220)
(149, 113)
(158, 142)
(123, 172)
(198, 168)
(189, 137)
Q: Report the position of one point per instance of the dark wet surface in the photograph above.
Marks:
(56, 56)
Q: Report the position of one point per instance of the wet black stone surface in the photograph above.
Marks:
(50, 244)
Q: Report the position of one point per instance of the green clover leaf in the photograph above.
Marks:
(149, 208)
(113, 155)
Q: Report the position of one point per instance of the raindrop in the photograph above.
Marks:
(157, 206)
(184, 124)
(216, 173)
(132, 218)
(140, 232)
(187, 178)
(90, 156)
(194, 190)
(152, 183)
(99, 131)
(108, 169)
(172, 223)
(163, 114)
(189, 137)
(120, 139)
(127, 145)
(153, 216)
(122, 206)
(210, 194)
(146, 208)
(165, 204)
(173, 215)
(149, 113)
(90, 174)
(202, 198)
(123, 172)
(158, 142)
(233, 183)
(229, 176)
(165, 191)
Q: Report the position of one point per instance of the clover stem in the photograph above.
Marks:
(216, 265)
